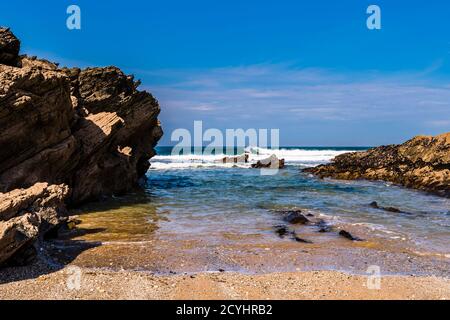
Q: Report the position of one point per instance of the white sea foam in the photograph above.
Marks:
(300, 157)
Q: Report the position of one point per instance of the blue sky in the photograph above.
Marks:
(310, 68)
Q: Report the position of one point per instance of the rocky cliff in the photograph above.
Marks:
(422, 163)
(67, 136)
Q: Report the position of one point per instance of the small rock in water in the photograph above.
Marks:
(281, 231)
(392, 209)
(375, 205)
(298, 239)
(295, 217)
(323, 226)
(348, 235)
(388, 209)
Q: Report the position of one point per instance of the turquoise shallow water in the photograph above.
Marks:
(204, 196)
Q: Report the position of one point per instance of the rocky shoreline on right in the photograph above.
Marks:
(421, 163)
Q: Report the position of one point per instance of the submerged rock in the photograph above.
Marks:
(293, 216)
(323, 226)
(90, 130)
(348, 236)
(298, 239)
(270, 163)
(296, 218)
(421, 163)
(281, 231)
(389, 209)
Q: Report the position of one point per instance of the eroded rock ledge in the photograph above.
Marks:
(421, 163)
(67, 136)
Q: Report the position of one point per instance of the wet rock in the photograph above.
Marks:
(348, 236)
(389, 209)
(281, 231)
(392, 209)
(238, 159)
(323, 226)
(295, 217)
(298, 239)
(421, 163)
(374, 205)
(270, 163)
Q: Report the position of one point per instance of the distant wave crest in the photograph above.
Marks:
(292, 156)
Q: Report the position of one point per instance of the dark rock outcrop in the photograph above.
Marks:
(9, 47)
(91, 132)
(421, 163)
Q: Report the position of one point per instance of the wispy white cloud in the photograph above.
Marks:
(314, 92)
(281, 95)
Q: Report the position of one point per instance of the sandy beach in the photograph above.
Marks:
(96, 284)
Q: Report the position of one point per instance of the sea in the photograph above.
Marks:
(198, 214)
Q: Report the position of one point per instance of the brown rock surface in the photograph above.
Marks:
(421, 163)
(27, 213)
(91, 130)
(270, 163)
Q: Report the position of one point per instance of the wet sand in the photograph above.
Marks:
(127, 254)
(95, 284)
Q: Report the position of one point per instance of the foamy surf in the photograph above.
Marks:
(299, 157)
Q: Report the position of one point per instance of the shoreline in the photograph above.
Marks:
(130, 285)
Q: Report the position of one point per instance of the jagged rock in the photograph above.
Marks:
(421, 163)
(91, 130)
(270, 163)
(237, 159)
(25, 214)
(9, 47)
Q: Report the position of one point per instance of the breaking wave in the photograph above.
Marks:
(293, 156)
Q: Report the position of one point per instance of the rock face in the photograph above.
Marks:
(90, 132)
(421, 163)
(27, 214)
(9, 47)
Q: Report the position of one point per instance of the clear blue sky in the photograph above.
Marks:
(310, 68)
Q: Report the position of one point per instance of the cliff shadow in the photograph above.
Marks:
(52, 255)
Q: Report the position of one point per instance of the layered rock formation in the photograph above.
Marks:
(77, 134)
(422, 163)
